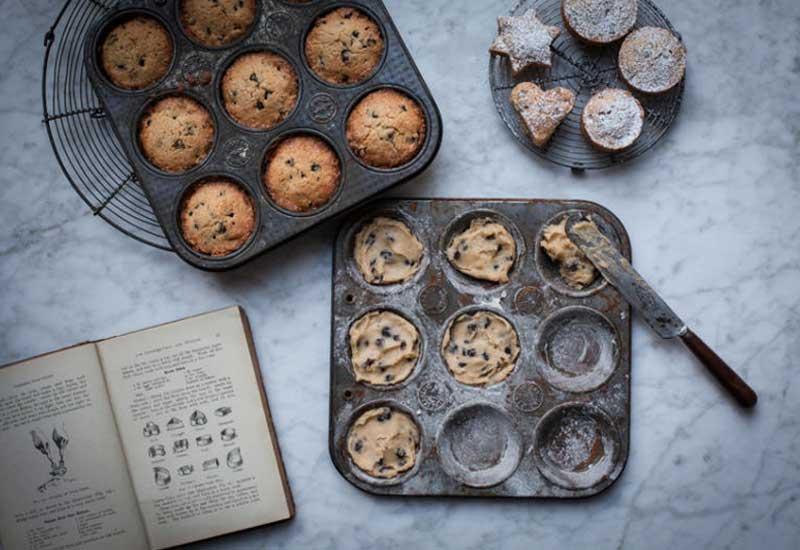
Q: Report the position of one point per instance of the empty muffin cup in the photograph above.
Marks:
(479, 445)
(580, 349)
(577, 446)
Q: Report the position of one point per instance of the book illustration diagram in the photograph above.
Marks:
(174, 424)
(186, 470)
(204, 440)
(55, 456)
(210, 464)
(180, 446)
(223, 411)
(198, 419)
(228, 434)
(162, 476)
(235, 458)
(151, 429)
(156, 451)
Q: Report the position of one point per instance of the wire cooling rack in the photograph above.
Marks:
(584, 69)
(82, 137)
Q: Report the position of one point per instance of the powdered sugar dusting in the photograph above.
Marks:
(525, 40)
(542, 111)
(652, 60)
(600, 20)
(613, 119)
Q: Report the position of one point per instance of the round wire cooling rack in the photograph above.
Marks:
(584, 69)
(82, 138)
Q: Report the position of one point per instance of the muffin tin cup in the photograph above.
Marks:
(322, 109)
(524, 436)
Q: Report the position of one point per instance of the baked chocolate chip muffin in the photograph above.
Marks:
(386, 129)
(302, 173)
(344, 46)
(217, 217)
(217, 22)
(260, 89)
(176, 133)
(136, 53)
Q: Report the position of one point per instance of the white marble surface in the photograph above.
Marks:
(713, 217)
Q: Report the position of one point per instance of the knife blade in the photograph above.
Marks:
(619, 272)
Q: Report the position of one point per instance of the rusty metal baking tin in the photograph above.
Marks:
(431, 300)
(238, 153)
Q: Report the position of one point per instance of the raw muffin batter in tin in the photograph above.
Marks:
(136, 53)
(384, 348)
(176, 133)
(386, 129)
(485, 250)
(574, 267)
(217, 217)
(259, 90)
(302, 173)
(480, 348)
(386, 252)
(344, 46)
(217, 22)
(383, 442)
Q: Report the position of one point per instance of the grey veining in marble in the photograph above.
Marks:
(712, 213)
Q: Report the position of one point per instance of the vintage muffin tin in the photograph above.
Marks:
(239, 153)
(558, 426)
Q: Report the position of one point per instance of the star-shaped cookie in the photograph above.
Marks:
(524, 40)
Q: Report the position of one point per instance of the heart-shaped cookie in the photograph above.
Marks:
(541, 111)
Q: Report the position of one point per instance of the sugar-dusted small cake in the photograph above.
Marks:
(217, 217)
(176, 133)
(525, 40)
(599, 21)
(612, 120)
(260, 89)
(217, 22)
(652, 60)
(136, 53)
(344, 46)
(386, 129)
(541, 111)
(302, 173)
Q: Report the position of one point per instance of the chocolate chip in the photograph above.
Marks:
(470, 352)
(383, 417)
(472, 327)
(315, 167)
(259, 105)
(253, 77)
(507, 350)
(358, 446)
(386, 332)
(457, 255)
(485, 356)
(400, 453)
(389, 377)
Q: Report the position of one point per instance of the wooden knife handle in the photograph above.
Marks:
(725, 375)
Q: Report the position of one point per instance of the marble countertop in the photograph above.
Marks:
(712, 213)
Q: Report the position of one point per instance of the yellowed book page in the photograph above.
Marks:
(64, 479)
(188, 390)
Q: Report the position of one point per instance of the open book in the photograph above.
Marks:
(144, 441)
